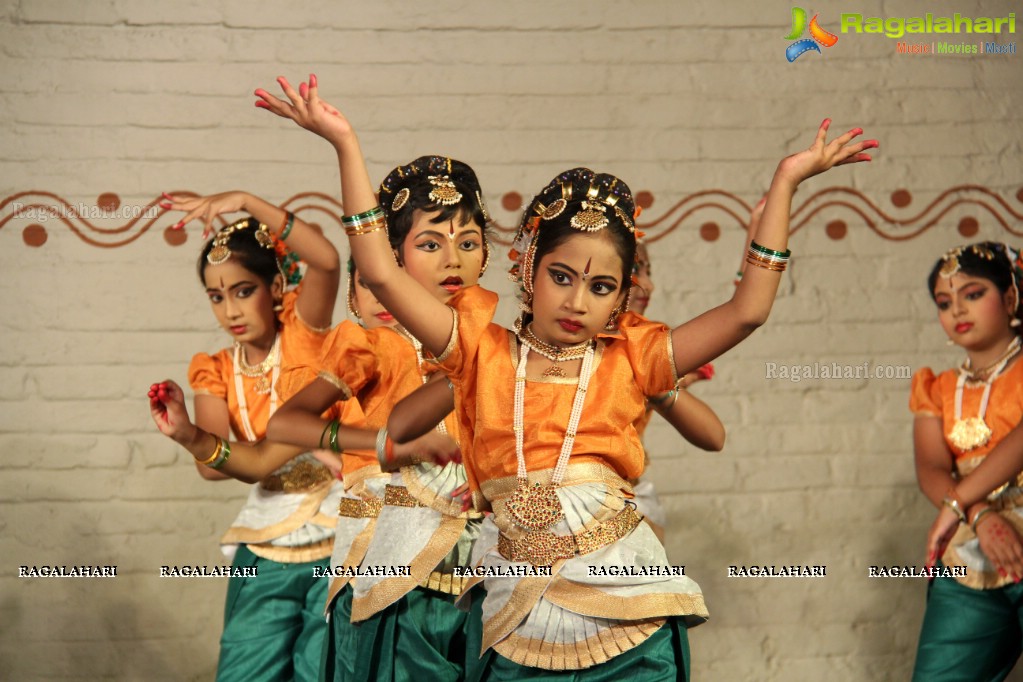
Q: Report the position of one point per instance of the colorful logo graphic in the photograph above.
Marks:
(817, 35)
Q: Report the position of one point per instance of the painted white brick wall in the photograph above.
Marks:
(136, 98)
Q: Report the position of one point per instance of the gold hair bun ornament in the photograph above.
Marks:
(221, 252)
(444, 191)
(263, 237)
(553, 211)
(951, 264)
(400, 199)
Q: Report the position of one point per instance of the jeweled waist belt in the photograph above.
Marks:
(543, 548)
(398, 496)
(302, 477)
(359, 509)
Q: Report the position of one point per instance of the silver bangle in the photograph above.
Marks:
(381, 444)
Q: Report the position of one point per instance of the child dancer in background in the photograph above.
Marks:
(587, 381)
(272, 626)
(402, 626)
(971, 629)
(692, 417)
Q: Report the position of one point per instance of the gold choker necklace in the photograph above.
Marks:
(549, 350)
(270, 362)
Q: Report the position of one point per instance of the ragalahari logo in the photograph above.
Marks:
(817, 35)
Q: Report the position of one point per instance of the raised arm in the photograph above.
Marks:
(706, 337)
(416, 309)
(323, 273)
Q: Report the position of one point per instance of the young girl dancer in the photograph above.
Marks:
(271, 626)
(404, 625)
(570, 517)
(971, 628)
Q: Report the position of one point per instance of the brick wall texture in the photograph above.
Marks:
(134, 98)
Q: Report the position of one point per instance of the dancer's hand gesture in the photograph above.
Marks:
(823, 155)
(307, 110)
(167, 407)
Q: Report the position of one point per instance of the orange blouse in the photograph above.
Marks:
(628, 366)
(214, 374)
(379, 367)
(935, 395)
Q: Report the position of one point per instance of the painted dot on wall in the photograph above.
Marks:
(512, 201)
(710, 232)
(34, 235)
(175, 237)
(108, 202)
(644, 199)
(968, 226)
(836, 229)
(901, 198)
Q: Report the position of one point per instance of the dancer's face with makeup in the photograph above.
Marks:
(576, 285)
(372, 313)
(242, 302)
(443, 257)
(973, 312)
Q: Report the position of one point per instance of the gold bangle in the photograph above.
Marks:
(216, 452)
(760, 264)
(979, 516)
(951, 500)
(359, 231)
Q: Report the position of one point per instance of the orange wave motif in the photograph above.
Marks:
(839, 206)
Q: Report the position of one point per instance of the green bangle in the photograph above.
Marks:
(326, 428)
(334, 426)
(290, 223)
(224, 454)
(764, 251)
(362, 218)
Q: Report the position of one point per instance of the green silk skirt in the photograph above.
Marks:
(419, 637)
(969, 634)
(664, 656)
(273, 623)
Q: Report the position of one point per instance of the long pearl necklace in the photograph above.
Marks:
(967, 434)
(441, 427)
(274, 356)
(537, 507)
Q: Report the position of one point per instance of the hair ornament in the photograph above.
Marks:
(400, 199)
(592, 218)
(221, 252)
(950, 260)
(483, 207)
(444, 191)
(553, 211)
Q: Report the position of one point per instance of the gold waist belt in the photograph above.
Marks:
(398, 496)
(445, 582)
(359, 509)
(543, 548)
(302, 477)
